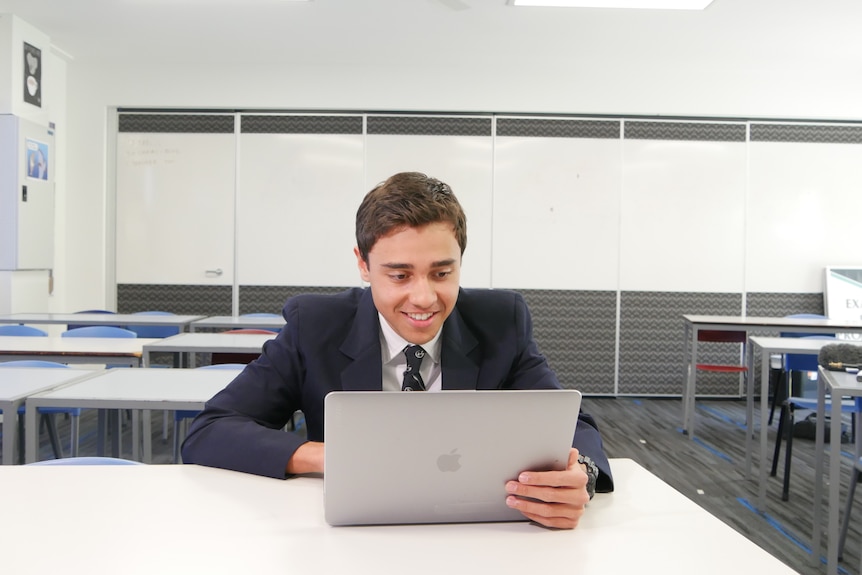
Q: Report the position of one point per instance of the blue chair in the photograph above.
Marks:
(76, 326)
(88, 461)
(99, 331)
(272, 315)
(182, 416)
(154, 331)
(46, 415)
(22, 330)
(797, 363)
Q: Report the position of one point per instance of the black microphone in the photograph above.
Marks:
(840, 356)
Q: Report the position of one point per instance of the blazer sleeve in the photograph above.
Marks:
(533, 370)
(241, 427)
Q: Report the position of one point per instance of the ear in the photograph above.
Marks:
(363, 266)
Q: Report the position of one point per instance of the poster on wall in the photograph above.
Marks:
(32, 75)
(37, 160)
(843, 295)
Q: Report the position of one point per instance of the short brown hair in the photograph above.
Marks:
(407, 200)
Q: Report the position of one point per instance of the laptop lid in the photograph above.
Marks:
(439, 457)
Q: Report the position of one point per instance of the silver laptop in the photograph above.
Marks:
(439, 457)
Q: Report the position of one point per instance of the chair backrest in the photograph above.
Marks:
(79, 326)
(20, 330)
(260, 315)
(87, 461)
(31, 363)
(154, 330)
(803, 361)
(99, 331)
(722, 336)
(223, 366)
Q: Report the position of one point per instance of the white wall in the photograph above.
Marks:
(648, 70)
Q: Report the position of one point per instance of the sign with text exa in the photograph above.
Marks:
(843, 295)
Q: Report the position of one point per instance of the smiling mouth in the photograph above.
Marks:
(419, 316)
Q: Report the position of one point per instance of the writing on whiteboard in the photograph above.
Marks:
(146, 152)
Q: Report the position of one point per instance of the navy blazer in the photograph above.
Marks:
(332, 342)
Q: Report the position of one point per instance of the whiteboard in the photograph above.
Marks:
(175, 208)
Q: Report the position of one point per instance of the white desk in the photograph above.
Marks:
(237, 322)
(104, 350)
(225, 522)
(180, 321)
(135, 389)
(694, 323)
(766, 347)
(200, 342)
(839, 384)
(18, 383)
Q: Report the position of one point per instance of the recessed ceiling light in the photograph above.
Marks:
(633, 4)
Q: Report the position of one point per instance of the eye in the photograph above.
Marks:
(398, 277)
(443, 274)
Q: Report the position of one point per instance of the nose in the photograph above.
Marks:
(422, 293)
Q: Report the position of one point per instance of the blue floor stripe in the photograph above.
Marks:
(721, 416)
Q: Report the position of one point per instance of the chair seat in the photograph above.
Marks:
(721, 368)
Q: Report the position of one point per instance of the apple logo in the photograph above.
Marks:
(449, 461)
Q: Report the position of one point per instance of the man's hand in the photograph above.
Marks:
(307, 459)
(561, 495)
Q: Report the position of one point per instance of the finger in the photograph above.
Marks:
(574, 496)
(551, 515)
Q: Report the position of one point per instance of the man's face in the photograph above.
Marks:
(414, 275)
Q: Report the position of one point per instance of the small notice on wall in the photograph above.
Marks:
(843, 295)
(37, 160)
(32, 75)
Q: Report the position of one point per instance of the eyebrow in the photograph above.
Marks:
(439, 264)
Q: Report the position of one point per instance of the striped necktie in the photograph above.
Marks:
(412, 377)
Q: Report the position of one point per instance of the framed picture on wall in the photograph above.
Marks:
(32, 75)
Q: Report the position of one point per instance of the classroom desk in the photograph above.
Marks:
(199, 342)
(135, 389)
(103, 350)
(18, 383)
(237, 322)
(186, 518)
(694, 323)
(122, 319)
(840, 384)
(766, 346)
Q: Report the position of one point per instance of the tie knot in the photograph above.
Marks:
(412, 378)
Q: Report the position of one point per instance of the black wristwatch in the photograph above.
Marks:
(592, 474)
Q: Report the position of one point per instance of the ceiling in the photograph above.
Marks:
(441, 32)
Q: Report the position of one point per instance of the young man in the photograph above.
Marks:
(411, 234)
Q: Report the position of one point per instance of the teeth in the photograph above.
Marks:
(419, 316)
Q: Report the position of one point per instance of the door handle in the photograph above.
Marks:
(213, 273)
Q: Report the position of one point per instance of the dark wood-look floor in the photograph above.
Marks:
(708, 470)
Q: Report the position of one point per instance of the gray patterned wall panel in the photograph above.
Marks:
(806, 133)
(280, 124)
(270, 299)
(690, 131)
(558, 128)
(575, 330)
(177, 123)
(179, 299)
(428, 126)
(652, 346)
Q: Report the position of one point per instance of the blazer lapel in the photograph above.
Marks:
(460, 371)
(362, 345)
